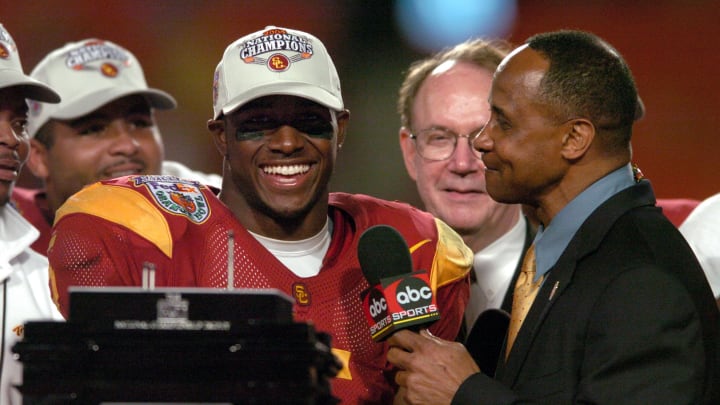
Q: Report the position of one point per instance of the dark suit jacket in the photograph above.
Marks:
(625, 316)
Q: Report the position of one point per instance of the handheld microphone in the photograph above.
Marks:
(486, 338)
(398, 297)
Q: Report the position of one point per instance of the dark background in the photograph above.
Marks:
(671, 46)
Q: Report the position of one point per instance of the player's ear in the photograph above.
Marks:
(217, 130)
(343, 118)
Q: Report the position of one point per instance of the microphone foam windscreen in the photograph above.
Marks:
(383, 253)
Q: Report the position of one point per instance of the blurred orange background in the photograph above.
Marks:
(667, 43)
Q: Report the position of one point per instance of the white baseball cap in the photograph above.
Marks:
(275, 61)
(11, 72)
(89, 74)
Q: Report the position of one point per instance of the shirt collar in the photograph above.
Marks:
(16, 234)
(551, 241)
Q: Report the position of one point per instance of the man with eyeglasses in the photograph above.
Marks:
(443, 104)
(279, 121)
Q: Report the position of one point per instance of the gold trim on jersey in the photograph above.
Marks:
(344, 357)
(125, 207)
(453, 258)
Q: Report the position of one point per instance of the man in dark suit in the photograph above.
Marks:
(623, 313)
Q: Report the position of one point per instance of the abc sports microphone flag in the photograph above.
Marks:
(398, 297)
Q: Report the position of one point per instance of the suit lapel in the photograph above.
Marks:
(559, 277)
(557, 280)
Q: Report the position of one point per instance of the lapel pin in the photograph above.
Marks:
(554, 289)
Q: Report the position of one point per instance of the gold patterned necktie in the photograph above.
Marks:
(523, 296)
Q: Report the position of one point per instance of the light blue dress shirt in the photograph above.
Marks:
(551, 240)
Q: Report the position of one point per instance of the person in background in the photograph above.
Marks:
(612, 306)
(443, 104)
(677, 209)
(279, 122)
(702, 231)
(104, 127)
(24, 294)
(443, 97)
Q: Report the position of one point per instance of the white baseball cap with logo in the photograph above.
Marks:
(11, 72)
(89, 74)
(275, 61)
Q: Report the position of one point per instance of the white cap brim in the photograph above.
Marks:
(87, 103)
(304, 90)
(31, 88)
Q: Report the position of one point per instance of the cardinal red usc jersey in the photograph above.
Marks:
(104, 235)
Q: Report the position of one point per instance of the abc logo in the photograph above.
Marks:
(412, 292)
(377, 304)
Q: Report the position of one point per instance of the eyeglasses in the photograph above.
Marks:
(439, 143)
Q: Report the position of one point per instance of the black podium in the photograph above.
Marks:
(167, 345)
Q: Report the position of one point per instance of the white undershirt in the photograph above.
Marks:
(494, 267)
(302, 257)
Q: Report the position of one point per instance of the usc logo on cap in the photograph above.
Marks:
(278, 62)
(109, 70)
